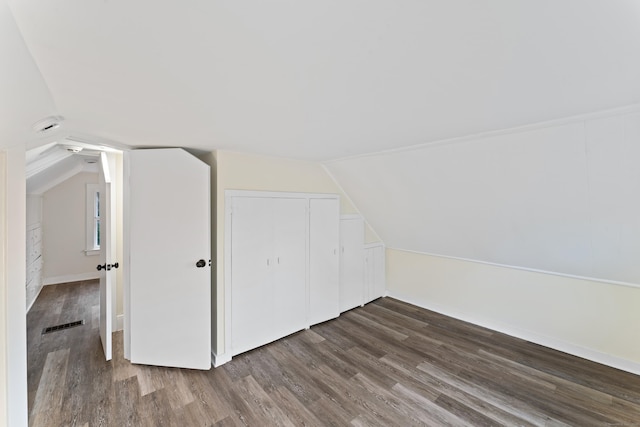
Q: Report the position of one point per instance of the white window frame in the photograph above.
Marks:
(92, 220)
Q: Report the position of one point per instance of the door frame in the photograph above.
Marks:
(13, 322)
(13, 325)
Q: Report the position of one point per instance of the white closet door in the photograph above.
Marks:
(379, 271)
(351, 263)
(252, 262)
(290, 229)
(375, 286)
(324, 241)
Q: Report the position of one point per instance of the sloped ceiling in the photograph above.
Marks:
(24, 96)
(321, 80)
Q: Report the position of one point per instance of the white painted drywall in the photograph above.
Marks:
(594, 320)
(34, 209)
(64, 231)
(4, 303)
(326, 79)
(33, 248)
(25, 99)
(560, 197)
(25, 96)
(13, 372)
(534, 232)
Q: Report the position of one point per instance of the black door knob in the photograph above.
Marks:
(107, 266)
(201, 263)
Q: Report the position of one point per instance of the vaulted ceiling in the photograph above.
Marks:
(311, 80)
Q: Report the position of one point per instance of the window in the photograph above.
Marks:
(93, 219)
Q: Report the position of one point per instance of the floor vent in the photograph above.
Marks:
(63, 326)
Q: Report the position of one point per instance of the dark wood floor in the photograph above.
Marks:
(386, 364)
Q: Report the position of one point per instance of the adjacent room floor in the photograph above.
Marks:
(387, 364)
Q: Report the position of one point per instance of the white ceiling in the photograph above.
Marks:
(313, 80)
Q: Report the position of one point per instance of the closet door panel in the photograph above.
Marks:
(324, 241)
(290, 229)
(352, 293)
(252, 273)
(379, 272)
(375, 286)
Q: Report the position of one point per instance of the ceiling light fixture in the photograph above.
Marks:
(73, 148)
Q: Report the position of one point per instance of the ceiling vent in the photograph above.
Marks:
(48, 124)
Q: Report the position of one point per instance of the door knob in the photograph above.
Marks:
(201, 263)
(107, 266)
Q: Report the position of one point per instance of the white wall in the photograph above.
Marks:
(25, 99)
(543, 221)
(560, 197)
(238, 171)
(34, 247)
(64, 231)
(595, 320)
(13, 342)
(34, 209)
(4, 303)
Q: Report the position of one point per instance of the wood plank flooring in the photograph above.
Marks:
(385, 364)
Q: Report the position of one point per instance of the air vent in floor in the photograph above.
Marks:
(63, 326)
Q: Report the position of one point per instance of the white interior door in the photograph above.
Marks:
(169, 286)
(106, 255)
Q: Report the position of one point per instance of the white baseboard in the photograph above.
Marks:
(546, 341)
(70, 278)
(34, 298)
(119, 322)
(219, 359)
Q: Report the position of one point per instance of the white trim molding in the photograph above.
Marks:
(516, 267)
(69, 278)
(622, 111)
(219, 359)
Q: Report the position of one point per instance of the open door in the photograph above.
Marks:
(106, 266)
(169, 286)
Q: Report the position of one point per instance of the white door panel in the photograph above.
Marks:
(289, 269)
(169, 232)
(252, 267)
(351, 263)
(106, 256)
(324, 240)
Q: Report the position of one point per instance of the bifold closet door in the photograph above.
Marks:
(352, 292)
(268, 265)
(251, 257)
(289, 266)
(324, 262)
(375, 286)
